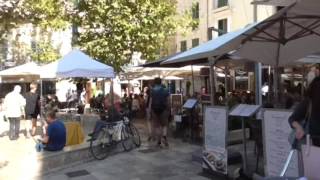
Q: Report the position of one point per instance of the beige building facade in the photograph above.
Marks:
(216, 17)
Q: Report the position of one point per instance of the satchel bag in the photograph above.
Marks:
(311, 159)
(305, 124)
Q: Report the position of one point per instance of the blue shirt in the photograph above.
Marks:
(57, 136)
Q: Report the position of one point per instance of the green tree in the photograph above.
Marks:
(44, 52)
(41, 13)
(48, 15)
(111, 30)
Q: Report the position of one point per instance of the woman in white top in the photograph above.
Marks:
(14, 104)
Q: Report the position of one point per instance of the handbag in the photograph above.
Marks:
(305, 124)
(311, 159)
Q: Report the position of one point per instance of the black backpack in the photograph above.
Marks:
(159, 100)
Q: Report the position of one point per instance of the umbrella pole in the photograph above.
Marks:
(258, 74)
(192, 79)
(41, 100)
(212, 84)
(276, 82)
(226, 69)
(269, 84)
(112, 100)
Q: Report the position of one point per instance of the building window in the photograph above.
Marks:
(221, 3)
(222, 26)
(195, 10)
(195, 15)
(183, 46)
(195, 42)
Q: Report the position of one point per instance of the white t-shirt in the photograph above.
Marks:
(14, 104)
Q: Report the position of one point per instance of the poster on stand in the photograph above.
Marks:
(176, 103)
(215, 154)
(244, 110)
(276, 131)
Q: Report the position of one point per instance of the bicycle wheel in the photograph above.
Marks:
(100, 145)
(126, 139)
(135, 134)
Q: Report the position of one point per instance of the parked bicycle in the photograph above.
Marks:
(112, 134)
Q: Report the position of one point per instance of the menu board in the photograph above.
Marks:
(176, 103)
(277, 147)
(190, 103)
(215, 155)
(244, 110)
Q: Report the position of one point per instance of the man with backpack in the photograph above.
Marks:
(159, 107)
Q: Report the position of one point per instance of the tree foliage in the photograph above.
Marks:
(48, 15)
(44, 53)
(42, 13)
(111, 30)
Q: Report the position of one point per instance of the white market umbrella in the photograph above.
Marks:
(172, 78)
(77, 64)
(311, 59)
(23, 73)
(144, 77)
(282, 39)
(30, 68)
(290, 34)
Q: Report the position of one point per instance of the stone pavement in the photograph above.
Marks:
(145, 163)
(19, 160)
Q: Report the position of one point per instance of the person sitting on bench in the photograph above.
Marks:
(55, 139)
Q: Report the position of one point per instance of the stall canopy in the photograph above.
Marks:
(23, 73)
(76, 64)
(216, 47)
(30, 68)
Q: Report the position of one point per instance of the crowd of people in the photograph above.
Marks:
(17, 107)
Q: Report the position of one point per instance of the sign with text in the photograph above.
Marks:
(190, 103)
(277, 147)
(215, 155)
(176, 103)
(244, 110)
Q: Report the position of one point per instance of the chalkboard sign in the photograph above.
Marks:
(215, 155)
(276, 131)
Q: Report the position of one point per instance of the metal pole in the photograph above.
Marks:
(41, 100)
(192, 79)
(269, 84)
(258, 70)
(258, 74)
(276, 75)
(226, 69)
(212, 84)
(244, 145)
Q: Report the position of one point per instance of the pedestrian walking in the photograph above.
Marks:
(160, 110)
(14, 104)
(32, 110)
(148, 112)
